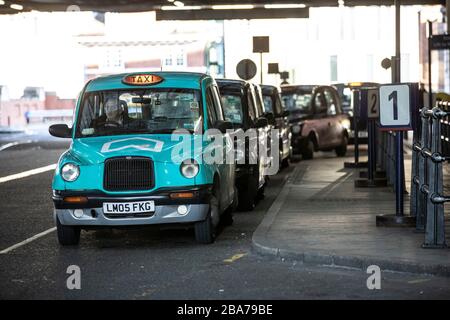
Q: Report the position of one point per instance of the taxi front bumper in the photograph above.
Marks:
(166, 209)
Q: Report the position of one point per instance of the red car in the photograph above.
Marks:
(316, 119)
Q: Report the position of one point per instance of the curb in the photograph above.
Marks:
(262, 246)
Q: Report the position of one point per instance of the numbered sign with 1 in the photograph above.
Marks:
(395, 107)
(373, 105)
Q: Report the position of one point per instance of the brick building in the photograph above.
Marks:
(35, 104)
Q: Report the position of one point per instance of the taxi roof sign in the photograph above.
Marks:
(142, 79)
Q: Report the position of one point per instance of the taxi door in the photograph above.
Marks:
(334, 117)
(263, 157)
(320, 119)
(226, 170)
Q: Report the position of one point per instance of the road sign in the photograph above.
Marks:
(273, 68)
(246, 69)
(373, 106)
(395, 107)
(440, 42)
(260, 44)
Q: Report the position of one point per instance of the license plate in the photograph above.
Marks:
(128, 207)
(362, 134)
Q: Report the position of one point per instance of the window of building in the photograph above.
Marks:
(333, 68)
(168, 60)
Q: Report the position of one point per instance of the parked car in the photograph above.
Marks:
(240, 107)
(345, 91)
(267, 131)
(120, 170)
(316, 118)
(273, 108)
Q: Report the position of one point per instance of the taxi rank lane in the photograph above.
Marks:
(148, 263)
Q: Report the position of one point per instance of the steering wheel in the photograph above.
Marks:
(111, 123)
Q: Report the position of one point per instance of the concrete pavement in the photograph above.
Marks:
(148, 263)
(319, 217)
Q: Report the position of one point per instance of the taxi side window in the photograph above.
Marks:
(278, 105)
(251, 106)
(91, 110)
(320, 103)
(331, 103)
(212, 114)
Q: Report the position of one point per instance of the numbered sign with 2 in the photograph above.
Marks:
(395, 107)
(373, 106)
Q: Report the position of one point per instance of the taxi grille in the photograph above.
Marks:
(128, 173)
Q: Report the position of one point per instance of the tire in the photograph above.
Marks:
(285, 163)
(67, 235)
(248, 192)
(341, 151)
(308, 151)
(227, 217)
(260, 194)
(205, 231)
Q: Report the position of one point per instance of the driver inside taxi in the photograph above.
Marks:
(114, 115)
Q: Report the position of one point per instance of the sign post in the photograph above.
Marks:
(261, 45)
(370, 101)
(396, 105)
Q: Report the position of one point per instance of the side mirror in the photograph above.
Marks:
(223, 126)
(261, 122)
(60, 131)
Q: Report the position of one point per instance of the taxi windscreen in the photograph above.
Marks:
(153, 110)
(232, 108)
(300, 102)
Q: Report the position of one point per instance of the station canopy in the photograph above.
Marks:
(201, 9)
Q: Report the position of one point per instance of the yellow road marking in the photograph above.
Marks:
(235, 257)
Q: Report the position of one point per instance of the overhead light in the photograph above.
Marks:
(2, 3)
(171, 0)
(178, 3)
(285, 6)
(173, 8)
(16, 6)
(341, 3)
(233, 7)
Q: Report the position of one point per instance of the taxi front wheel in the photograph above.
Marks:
(67, 235)
(341, 151)
(205, 231)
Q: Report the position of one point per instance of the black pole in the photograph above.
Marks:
(261, 66)
(430, 90)
(400, 174)
(356, 110)
(371, 165)
(223, 47)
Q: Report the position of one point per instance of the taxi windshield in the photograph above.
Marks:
(268, 103)
(232, 108)
(153, 110)
(298, 102)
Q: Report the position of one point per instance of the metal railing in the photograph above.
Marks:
(430, 150)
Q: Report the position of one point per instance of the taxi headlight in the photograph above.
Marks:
(70, 172)
(296, 129)
(189, 168)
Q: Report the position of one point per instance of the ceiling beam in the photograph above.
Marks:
(210, 14)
